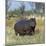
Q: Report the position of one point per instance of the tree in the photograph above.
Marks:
(8, 5)
(32, 4)
(40, 7)
(22, 8)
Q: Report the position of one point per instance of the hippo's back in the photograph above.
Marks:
(19, 26)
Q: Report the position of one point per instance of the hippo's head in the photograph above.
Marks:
(32, 22)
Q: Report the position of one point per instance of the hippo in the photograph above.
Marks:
(25, 26)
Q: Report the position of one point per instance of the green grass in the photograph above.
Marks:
(12, 39)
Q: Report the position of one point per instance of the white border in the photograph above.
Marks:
(2, 22)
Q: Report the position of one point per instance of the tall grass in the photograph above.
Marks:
(12, 39)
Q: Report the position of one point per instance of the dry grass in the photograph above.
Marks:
(12, 39)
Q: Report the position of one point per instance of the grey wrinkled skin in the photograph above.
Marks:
(25, 26)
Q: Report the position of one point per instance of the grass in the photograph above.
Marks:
(12, 39)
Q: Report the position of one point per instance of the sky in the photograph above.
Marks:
(17, 4)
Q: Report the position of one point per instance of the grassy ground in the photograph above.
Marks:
(12, 39)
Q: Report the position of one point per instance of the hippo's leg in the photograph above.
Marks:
(17, 34)
(22, 34)
(31, 31)
(34, 29)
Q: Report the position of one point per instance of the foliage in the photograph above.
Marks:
(20, 11)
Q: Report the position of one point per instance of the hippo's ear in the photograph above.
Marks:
(32, 18)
